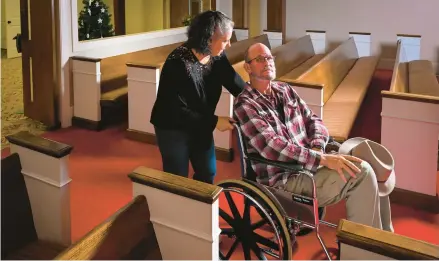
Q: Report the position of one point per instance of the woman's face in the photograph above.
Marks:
(220, 42)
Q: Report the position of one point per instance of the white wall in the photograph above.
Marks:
(383, 19)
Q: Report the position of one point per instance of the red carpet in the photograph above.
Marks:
(100, 162)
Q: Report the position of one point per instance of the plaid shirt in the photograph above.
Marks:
(279, 127)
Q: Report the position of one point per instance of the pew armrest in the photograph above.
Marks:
(385, 243)
(37, 143)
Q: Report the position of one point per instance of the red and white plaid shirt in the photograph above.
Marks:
(285, 135)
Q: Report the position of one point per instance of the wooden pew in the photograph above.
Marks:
(35, 204)
(410, 126)
(143, 82)
(360, 242)
(336, 85)
(108, 102)
(184, 213)
(126, 235)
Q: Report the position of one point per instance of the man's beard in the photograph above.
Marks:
(269, 77)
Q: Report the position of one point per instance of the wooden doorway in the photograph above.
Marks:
(38, 40)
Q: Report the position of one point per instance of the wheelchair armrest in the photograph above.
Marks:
(284, 165)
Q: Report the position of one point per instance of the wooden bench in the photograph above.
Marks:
(336, 85)
(184, 213)
(143, 82)
(357, 241)
(35, 207)
(410, 126)
(126, 235)
(107, 103)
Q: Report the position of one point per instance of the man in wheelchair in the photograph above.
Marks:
(278, 125)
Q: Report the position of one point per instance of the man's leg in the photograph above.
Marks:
(386, 216)
(204, 163)
(173, 146)
(361, 193)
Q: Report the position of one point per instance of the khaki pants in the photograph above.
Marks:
(363, 204)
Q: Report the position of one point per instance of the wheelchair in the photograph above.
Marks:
(284, 214)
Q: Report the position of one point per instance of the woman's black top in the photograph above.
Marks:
(189, 92)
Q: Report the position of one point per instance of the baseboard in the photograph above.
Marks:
(225, 155)
(415, 200)
(86, 124)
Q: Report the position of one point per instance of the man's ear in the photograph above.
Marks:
(247, 67)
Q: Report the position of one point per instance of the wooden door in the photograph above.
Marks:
(179, 9)
(12, 26)
(38, 59)
(274, 15)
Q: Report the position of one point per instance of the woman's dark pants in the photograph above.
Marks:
(178, 148)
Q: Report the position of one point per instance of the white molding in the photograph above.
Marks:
(45, 179)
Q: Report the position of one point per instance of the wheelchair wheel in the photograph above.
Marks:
(259, 228)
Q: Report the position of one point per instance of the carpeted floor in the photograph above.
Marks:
(12, 118)
(100, 162)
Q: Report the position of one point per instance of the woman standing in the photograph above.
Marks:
(189, 90)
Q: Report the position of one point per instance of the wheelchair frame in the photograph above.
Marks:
(294, 225)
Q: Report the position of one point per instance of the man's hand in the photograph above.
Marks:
(224, 123)
(339, 163)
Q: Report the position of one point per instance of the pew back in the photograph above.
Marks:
(127, 234)
(18, 229)
(400, 70)
(113, 69)
(293, 53)
(332, 68)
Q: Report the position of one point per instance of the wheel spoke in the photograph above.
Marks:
(257, 250)
(266, 242)
(228, 231)
(227, 218)
(247, 205)
(232, 206)
(246, 249)
(259, 224)
(232, 249)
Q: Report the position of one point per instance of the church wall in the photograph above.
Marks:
(383, 19)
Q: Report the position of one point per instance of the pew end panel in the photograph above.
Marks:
(223, 140)
(241, 33)
(312, 93)
(412, 46)
(86, 92)
(319, 40)
(35, 198)
(357, 241)
(143, 82)
(45, 169)
(414, 149)
(274, 37)
(188, 228)
(127, 234)
(363, 43)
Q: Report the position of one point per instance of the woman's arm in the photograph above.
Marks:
(231, 80)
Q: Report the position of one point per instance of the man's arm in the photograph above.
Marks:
(315, 129)
(268, 143)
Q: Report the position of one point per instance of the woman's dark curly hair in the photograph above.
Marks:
(203, 27)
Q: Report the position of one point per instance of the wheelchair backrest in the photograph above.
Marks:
(246, 168)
